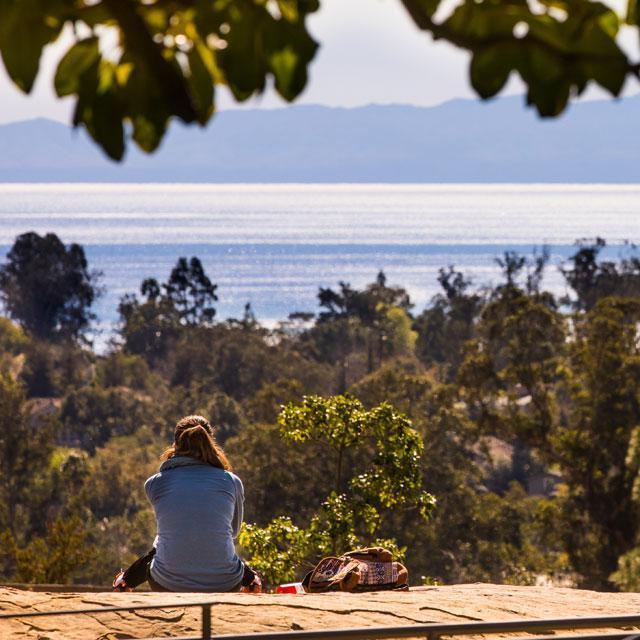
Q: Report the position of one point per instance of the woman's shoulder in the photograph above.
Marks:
(236, 480)
(233, 477)
(149, 482)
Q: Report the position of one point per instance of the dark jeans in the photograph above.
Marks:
(155, 586)
(140, 572)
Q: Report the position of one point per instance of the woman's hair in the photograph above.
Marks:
(193, 437)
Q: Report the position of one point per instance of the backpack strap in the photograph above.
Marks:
(371, 554)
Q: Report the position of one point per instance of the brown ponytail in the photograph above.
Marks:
(194, 438)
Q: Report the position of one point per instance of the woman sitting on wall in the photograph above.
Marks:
(198, 504)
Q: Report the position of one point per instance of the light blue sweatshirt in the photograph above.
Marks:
(199, 510)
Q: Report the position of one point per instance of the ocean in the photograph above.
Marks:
(275, 245)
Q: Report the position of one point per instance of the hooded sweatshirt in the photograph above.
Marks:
(199, 510)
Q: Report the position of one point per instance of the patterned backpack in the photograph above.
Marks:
(371, 569)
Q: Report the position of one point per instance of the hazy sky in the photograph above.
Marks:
(371, 53)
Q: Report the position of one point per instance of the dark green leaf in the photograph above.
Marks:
(105, 125)
(609, 76)
(147, 111)
(81, 57)
(25, 28)
(429, 7)
(291, 49)
(99, 108)
(556, 58)
(200, 86)
(242, 61)
(490, 68)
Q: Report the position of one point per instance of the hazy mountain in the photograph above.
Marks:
(458, 141)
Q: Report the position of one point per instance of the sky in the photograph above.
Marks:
(371, 52)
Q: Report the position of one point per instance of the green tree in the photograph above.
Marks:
(335, 341)
(12, 338)
(571, 398)
(51, 369)
(150, 327)
(280, 478)
(598, 446)
(118, 369)
(90, 416)
(277, 550)
(115, 474)
(48, 287)
(239, 361)
(381, 478)
(120, 520)
(368, 316)
(191, 292)
(447, 323)
(627, 576)
(54, 558)
(515, 359)
(401, 382)
(26, 442)
(463, 542)
(13, 346)
(226, 416)
(172, 55)
(592, 279)
(265, 405)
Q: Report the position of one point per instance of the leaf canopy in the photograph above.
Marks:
(171, 54)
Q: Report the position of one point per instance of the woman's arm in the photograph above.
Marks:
(238, 513)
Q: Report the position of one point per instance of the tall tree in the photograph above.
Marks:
(148, 327)
(570, 394)
(598, 445)
(185, 300)
(447, 323)
(370, 307)
(48, 287)
(191, 292)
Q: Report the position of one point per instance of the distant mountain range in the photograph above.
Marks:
(458, 141)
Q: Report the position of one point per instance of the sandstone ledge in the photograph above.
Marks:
(244, 613)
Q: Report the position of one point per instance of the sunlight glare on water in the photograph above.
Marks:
(274, 245)
(326, 214)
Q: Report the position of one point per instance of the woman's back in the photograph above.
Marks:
(198, 511)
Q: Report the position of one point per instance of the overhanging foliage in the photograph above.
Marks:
(171, 54)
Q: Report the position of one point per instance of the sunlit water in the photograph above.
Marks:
(274, 245)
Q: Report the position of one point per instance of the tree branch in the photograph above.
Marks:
(442, 32)
(146, 52)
